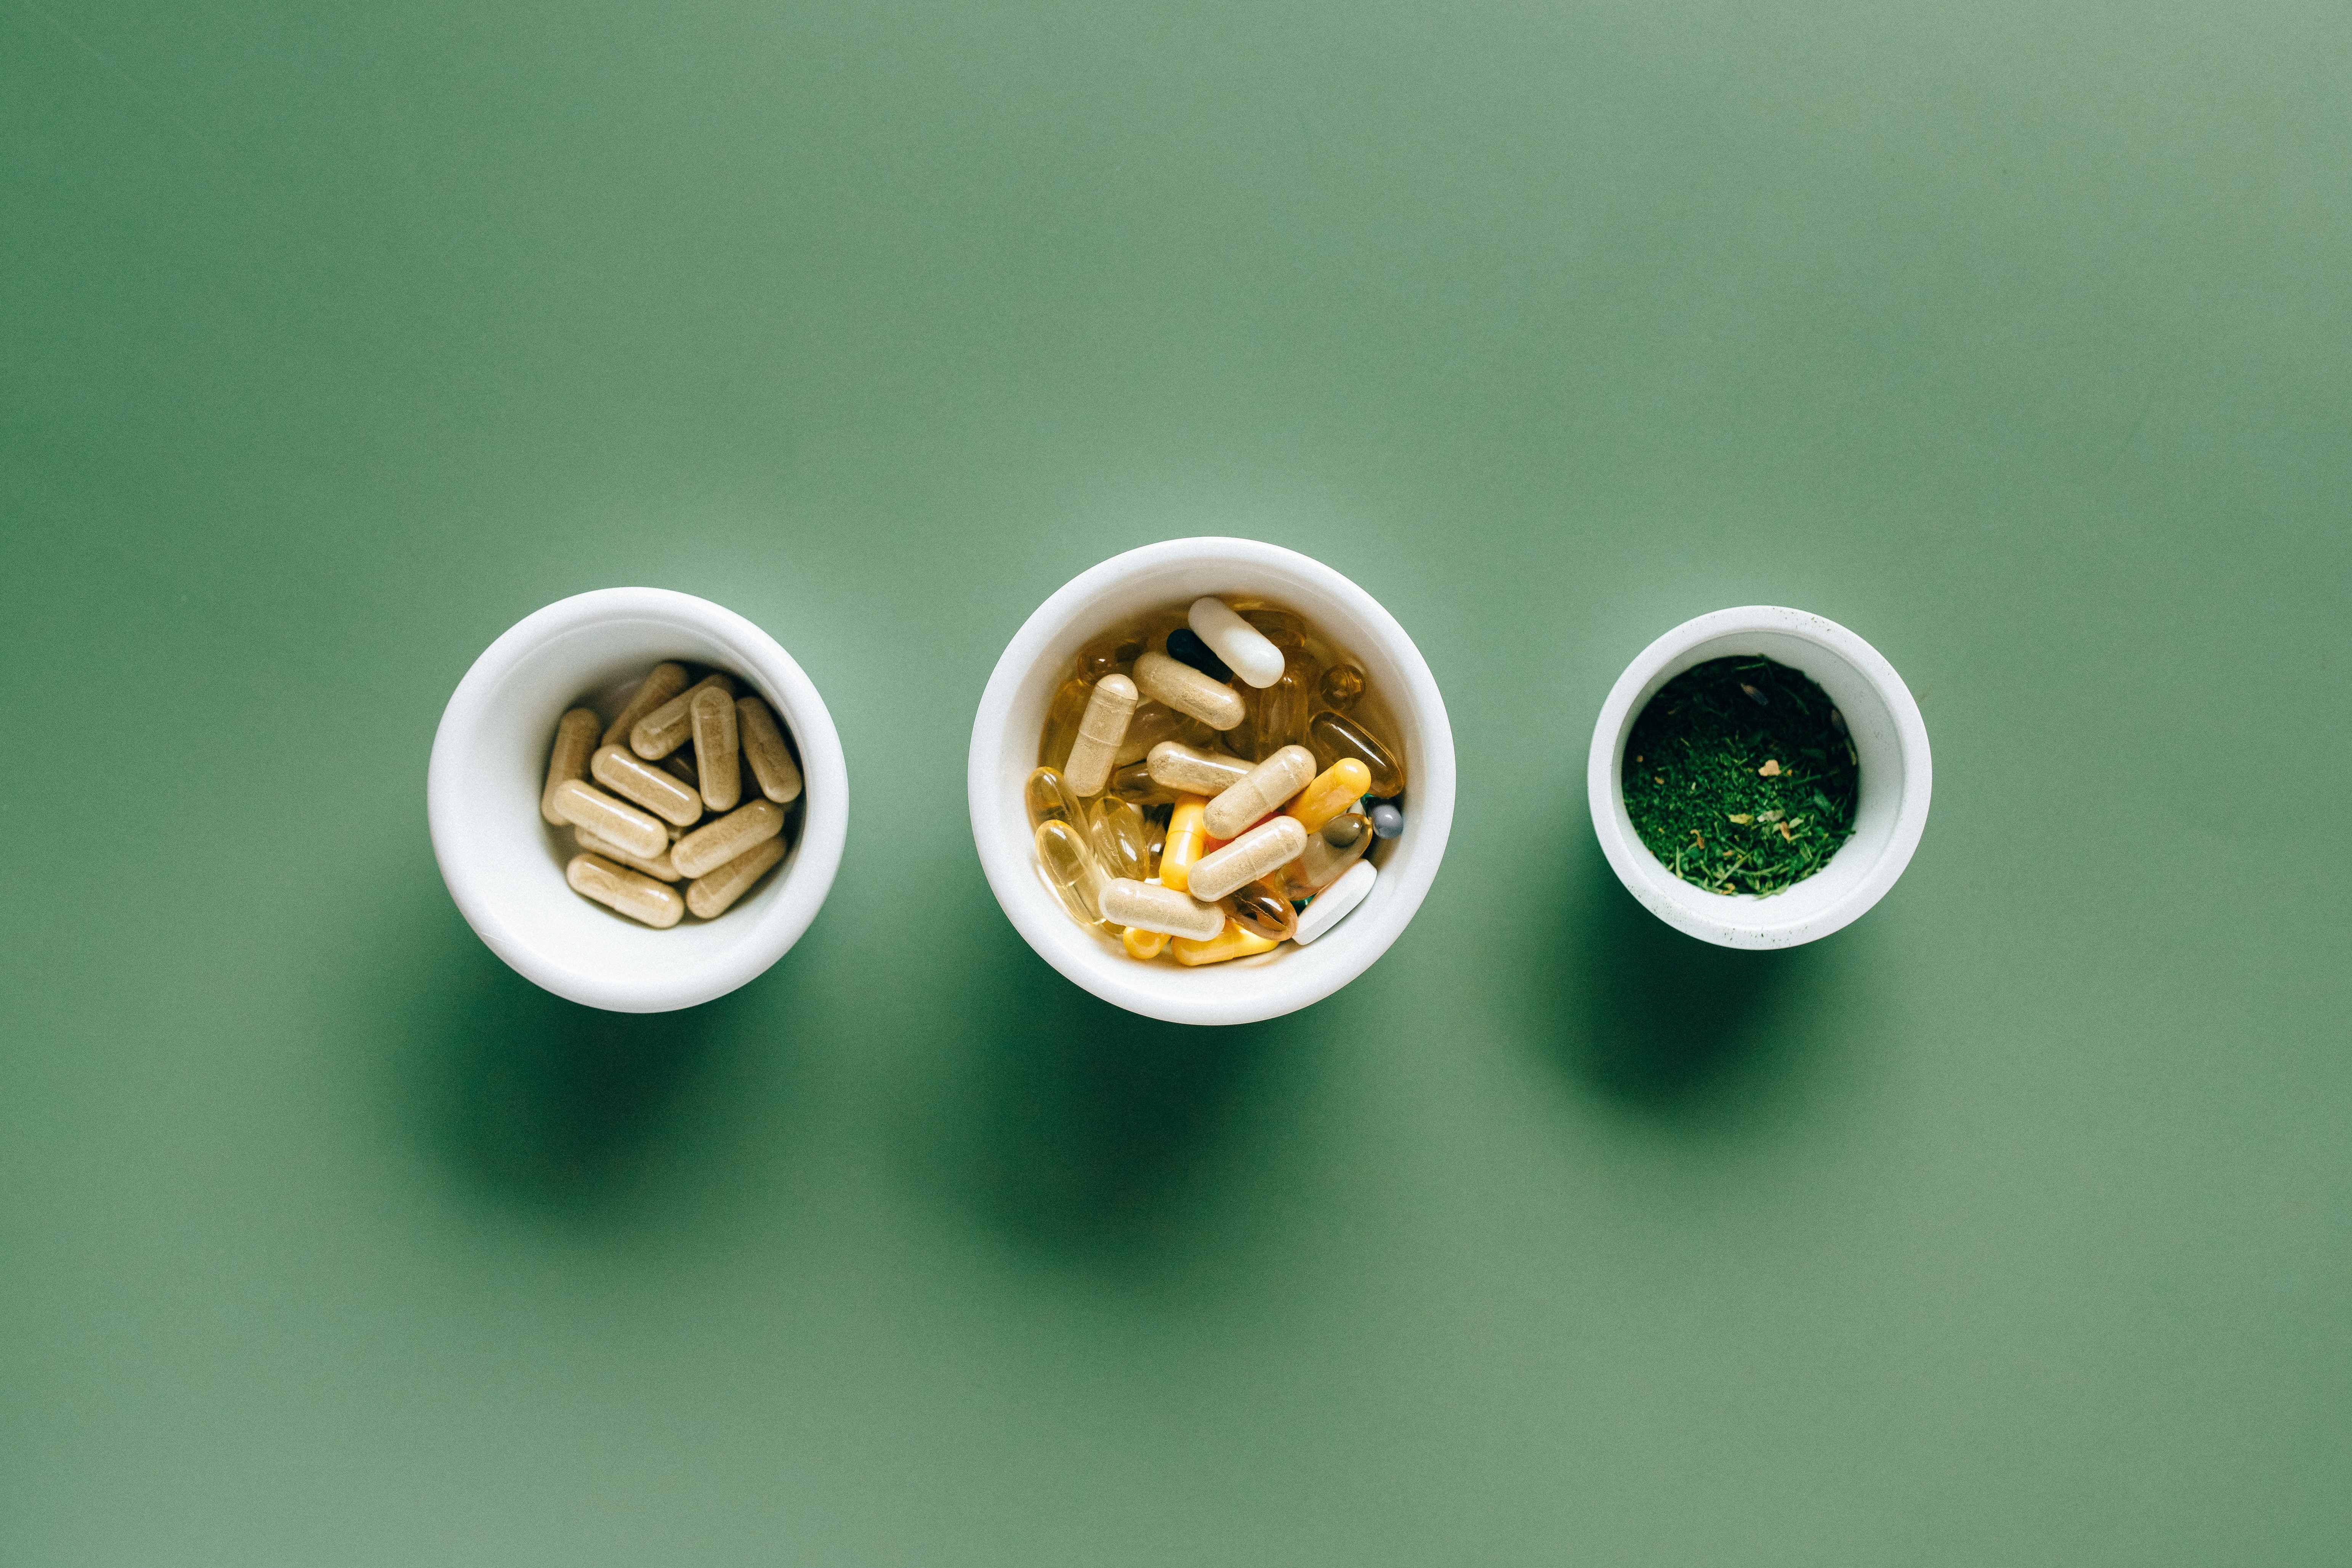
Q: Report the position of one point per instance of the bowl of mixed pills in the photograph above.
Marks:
(1211, 780)
(637, 799)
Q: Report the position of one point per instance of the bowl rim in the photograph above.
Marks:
(807, 878)
(1747, 920)
(1306, 976)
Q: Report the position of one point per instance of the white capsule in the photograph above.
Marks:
(1251, 653)
(1257, 853)
(1333, 903)
(1149, 907)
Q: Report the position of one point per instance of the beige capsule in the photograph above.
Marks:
(1188, 770)
(771, 761)
(1263, 789)
(712, 714)
(1128, 902)
(619, 889)
(705, 850)
(667, 681)
(585, 806)
(666, 729)
(661, 869)
(1099, 733)
(648, 784)
(710, 895)
(575, 739)
(1260, 852)
(1187, 690)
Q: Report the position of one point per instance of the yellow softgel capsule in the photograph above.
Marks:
(766, 748)
(648, 784)
(1260, 907)
(1100, 733)
(624, 892)
(1144, 944)
(1186, 842)
(1050, 799)
(1261, 789)
(1122, 840)
(1128, 902)
(661, 869)
(667, 728)
(1336, 735)
(1187, 690)
(1070, 870)
(585, 806)
(575, 742)
(712, 715)
(1334, 791)
(1188, 770)
(1262, 851)
(667, 681)
(1235, 942)
(705, 850)
(713, 893)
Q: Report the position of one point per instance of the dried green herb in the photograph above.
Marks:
(1739, 776)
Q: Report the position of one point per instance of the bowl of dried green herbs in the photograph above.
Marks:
(1759, 777)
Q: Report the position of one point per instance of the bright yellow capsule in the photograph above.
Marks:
(666, 729)
(1187, 690)
(1337, 735)
(1262, 851)
(648, 784)
(1186, 842)
(624, 892)
(1049, 799)
(766, 748)
(667, 681)
(1142, 943)
(1121, 840)
(711, 894)
(1335, 790)
(1233, 942)
(1070, 870)
(1189, 770)
(707, 849)
(1128, 902)
(661, 869)
(1100, 730)
(585, 806)
(575, 741)
(1261, 789)
(711, 716)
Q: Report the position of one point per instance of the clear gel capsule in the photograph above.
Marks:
(575, 741)
(647, 784)
(711, 894)
(661, 869)
(1111, 655)
(1387, 820)
(707, 849)
(1070, 870)
(1337, 735)
(1322, 862)
(1278, 717)
(624, 892)
(1233, 942)
(1152, 722)
(1187, 690)
(1342, 684)
(1334, 903)
(1191, 771)
(1334, 791)
(716, 748)
(1131, 903)
(1186, 842)
(1134, 782)
(1122, 840)
(585, 806)
(666, 729)
(667, 681)
(1260, 907)
(1143, 944)
(766, 748)
(1100, 730)
(1262, 790)
(1239, 644)
(1050, 799)
(1062, 716)
(1262, 851)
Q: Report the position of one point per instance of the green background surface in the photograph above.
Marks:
(2012, 1224)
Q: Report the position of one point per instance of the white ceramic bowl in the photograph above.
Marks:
(1004, 751)
(1897, 777)
(504, 865)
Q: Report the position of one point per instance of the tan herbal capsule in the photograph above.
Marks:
(617, 888)
(1187, 690)
(666, 729)
(763, 747)
(1189, 770)
(1099, 733)
(1260, 852)
(705, 850)
(575, 738)
(648, 784)
(710, 896)
(1263, 789)
(584, 806)
(712, 715)
(667, 681)
(660, 869)
(1128, 902)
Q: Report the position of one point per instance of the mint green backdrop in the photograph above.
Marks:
(2011, 1225)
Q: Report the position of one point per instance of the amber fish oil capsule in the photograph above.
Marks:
(707, 849)
(771, 761)
(1187, 690)
(575, 741)
(1100, 733)
(1342, 684)
(584, 806)
(715, 892)
(667, 728)
(624, 892)
(645, 784)
(1260, 852)
(1337, 735)
(712, 715)
(667, 681)
(1262, 790)
(1128, 902)
(1261, 908)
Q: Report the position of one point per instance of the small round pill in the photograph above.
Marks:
(1387, 820)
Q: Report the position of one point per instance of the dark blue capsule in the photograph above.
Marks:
(1185, 646)
(1387, 821)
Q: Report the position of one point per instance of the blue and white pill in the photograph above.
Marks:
(1387, 821)
(1251, 653)
(1334, 903)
